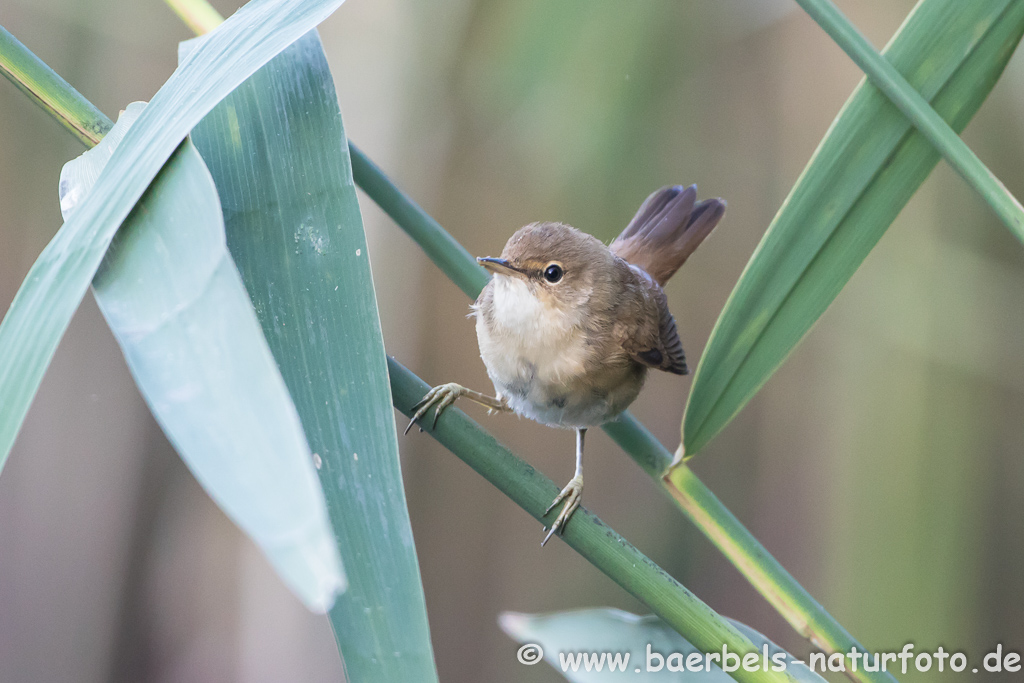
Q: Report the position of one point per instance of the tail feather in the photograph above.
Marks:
(667, 228)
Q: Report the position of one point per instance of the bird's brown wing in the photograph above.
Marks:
(667, 228)
(655, 342)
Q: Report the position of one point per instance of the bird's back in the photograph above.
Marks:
(666, 229)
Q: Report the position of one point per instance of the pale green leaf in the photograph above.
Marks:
(56, 283)
(176, 303)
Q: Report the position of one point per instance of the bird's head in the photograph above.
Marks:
(553, 263)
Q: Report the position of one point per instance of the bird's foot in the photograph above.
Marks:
(440, 396)
(571, 494)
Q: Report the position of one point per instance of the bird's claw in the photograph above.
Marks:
(571, 494)
(440, 396)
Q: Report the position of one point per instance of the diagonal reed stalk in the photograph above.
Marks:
(51, 92)
(891, 82)
(511, 475)
(589, 536)
(199, 15)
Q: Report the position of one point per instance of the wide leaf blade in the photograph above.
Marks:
(863, 173)
(655, 651)
(277, 150)
(56, 283)
(177, 305)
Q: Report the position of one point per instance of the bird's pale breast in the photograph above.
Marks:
(544, 363)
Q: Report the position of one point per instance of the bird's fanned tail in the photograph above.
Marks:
(667, 228)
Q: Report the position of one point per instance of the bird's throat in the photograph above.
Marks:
(524, 311)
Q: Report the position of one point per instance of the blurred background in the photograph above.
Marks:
(881, 465)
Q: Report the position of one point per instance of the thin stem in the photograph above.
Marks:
(198, 15)
(450, 256)
(778, 587)
(51, 92)
(886, 78)
(585, 533)
(744, 551)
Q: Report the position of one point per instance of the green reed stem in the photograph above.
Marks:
(198, 15)
(51, 92)
(585, 533)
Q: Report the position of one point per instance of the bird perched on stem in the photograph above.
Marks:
(568, 327)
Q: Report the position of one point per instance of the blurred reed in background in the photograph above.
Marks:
(881, 464)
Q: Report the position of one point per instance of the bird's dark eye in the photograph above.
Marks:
(553, 273)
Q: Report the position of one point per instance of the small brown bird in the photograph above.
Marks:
(568, 327)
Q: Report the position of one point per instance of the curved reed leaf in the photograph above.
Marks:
(177, 305)
(56, 283)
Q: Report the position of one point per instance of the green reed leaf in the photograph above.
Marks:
(277, 150)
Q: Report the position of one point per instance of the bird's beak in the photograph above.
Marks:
(498, 265)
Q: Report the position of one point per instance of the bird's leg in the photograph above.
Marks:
(444, 395)
(572, 493)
